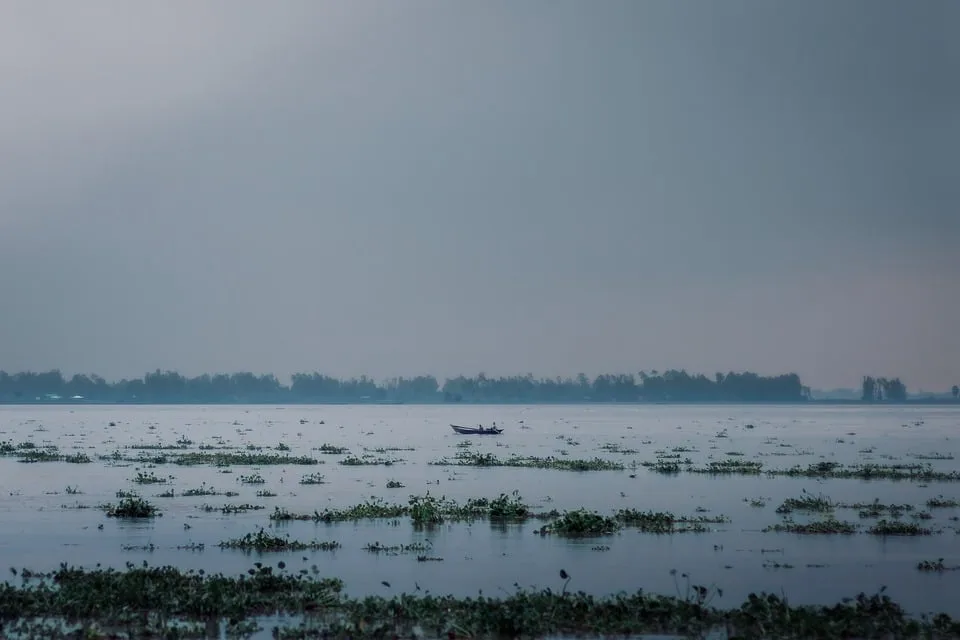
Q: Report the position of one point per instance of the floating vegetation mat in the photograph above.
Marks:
(263, 541)
(425, 509)
(475, 459)
(915, 472)
(152, 601)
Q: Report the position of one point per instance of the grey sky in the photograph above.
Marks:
(446, 187)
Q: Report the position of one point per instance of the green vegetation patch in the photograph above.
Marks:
(313, 478)
(663, 522)
(263, 541)
(887, 528)
(368, 460)
(807, 502)
(817, 527)
(467, 458)
(141, 600)
(221, 459)
(877, 509)
(132, 507)
(581, 523)
(332, 450)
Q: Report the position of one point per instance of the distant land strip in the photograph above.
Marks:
(673, 386)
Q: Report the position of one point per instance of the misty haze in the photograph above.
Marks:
(479, 319)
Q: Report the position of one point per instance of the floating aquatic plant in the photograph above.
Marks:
(132, 508)
(332, 450)
(263, 541)
(313, 478)
(477, 459)
(662, 522)
(887, 528)
(807, 502)
(817, 527)
(247, 459)
(581, 523)
(148, 478)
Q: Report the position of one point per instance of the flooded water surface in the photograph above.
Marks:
(52, 510)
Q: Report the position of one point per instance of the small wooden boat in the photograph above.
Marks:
(476, 431)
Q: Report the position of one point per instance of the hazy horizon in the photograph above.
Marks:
(386, 189)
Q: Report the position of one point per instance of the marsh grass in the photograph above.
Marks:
(942, 503)
(253, 478)
(313, 478)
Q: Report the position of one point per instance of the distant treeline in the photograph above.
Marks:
(171, 387)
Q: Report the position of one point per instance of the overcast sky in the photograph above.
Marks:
(544, 186)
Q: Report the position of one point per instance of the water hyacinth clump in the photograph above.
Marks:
(148, 478)
(818, 504)
(332, 450)
(665, 523)
(144, 601)
(313, 478)
(581, 523)
(263, 541)
(818, 527)
(221, 459)
(887, 528)
(476, 459)
(132, 507)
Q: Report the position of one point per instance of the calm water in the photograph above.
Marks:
(40, 526)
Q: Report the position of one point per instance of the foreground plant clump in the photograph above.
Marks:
(150, 601)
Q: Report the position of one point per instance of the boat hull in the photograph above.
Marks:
(476, 431)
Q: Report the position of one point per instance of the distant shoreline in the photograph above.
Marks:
(639, 403)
